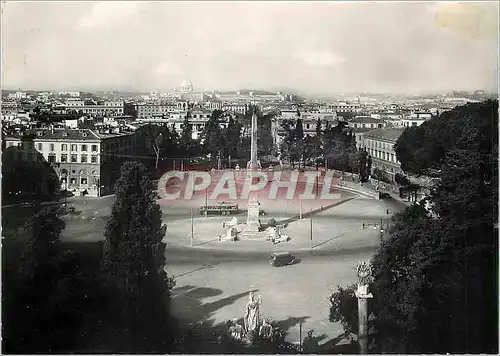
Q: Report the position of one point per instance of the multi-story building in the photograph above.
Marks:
(379, 144)
(309, 121)
(86, 161)
(156, 110)
(198, 119)
(362, 124)
(240, 108)
(416, 119)
(107, 108)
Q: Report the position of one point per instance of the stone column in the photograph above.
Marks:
(364, 275)
(253, 223)
(363, 296)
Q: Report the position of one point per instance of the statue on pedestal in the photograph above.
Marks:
(252, 313)
(364, 273)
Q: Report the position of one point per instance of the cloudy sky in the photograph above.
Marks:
(312, 47)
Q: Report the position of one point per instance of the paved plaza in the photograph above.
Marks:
(214, 278)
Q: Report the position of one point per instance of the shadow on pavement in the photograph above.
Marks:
(312, 213)
(189, 300)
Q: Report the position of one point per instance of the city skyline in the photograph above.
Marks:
(311, 48)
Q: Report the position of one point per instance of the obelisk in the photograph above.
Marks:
(253, 223)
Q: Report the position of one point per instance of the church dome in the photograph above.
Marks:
(186, 86)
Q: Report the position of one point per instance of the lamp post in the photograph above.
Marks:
(300, 335)
(311, 230)
(192, 227)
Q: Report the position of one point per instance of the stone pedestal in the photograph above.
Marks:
(363, 296)
(253, 223)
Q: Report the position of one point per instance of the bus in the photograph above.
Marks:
(222, 208)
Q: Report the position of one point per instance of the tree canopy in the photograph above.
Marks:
(436, 278)
(425, 147)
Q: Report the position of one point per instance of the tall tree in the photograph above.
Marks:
(32, 328)
(298, 145)
(186, 139)
(212, 135)
(134, 257)
(232, 135)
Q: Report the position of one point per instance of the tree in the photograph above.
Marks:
(186, 139)
(30, 318)
(339, 149)
(213, 140)
(232, 135)
(134, 258)
(297, 146)
(436, 277)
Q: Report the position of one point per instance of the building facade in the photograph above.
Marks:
(361, 125)
(107, 108)
(86, 161)
(379, 144)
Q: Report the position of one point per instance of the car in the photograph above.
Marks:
(280, 259)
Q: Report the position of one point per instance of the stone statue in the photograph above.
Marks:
(364, 272)
(252, 313)
(266, 330)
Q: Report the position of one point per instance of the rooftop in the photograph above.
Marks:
(364, 120)
(65, 134)
(387, 134)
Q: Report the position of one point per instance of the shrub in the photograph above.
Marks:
(271, 222)
(344, 308)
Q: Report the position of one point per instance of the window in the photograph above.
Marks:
(84, 148)
(74, 148)
(64, 158)
(52, 147)
(94, 148)
(40, 146)
(64, 147)
(52, 158)
(74, 159)
(84, 159)
(93, 159)
(73, 181)
(83, 180)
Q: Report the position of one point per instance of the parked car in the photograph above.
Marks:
(279, 259)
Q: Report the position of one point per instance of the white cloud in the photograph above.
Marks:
(108, 13)
(320, 58)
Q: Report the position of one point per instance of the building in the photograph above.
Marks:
(416, 119)
(309, 121)
(362, 124)
(197, 120)
(86, 161)
(239, 108)
(106, 108)
(380, 146)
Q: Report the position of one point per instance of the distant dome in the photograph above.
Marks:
(186, 86)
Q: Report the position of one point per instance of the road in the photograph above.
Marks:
(213, 285)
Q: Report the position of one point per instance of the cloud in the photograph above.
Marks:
(108, 13)
(320, 58)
